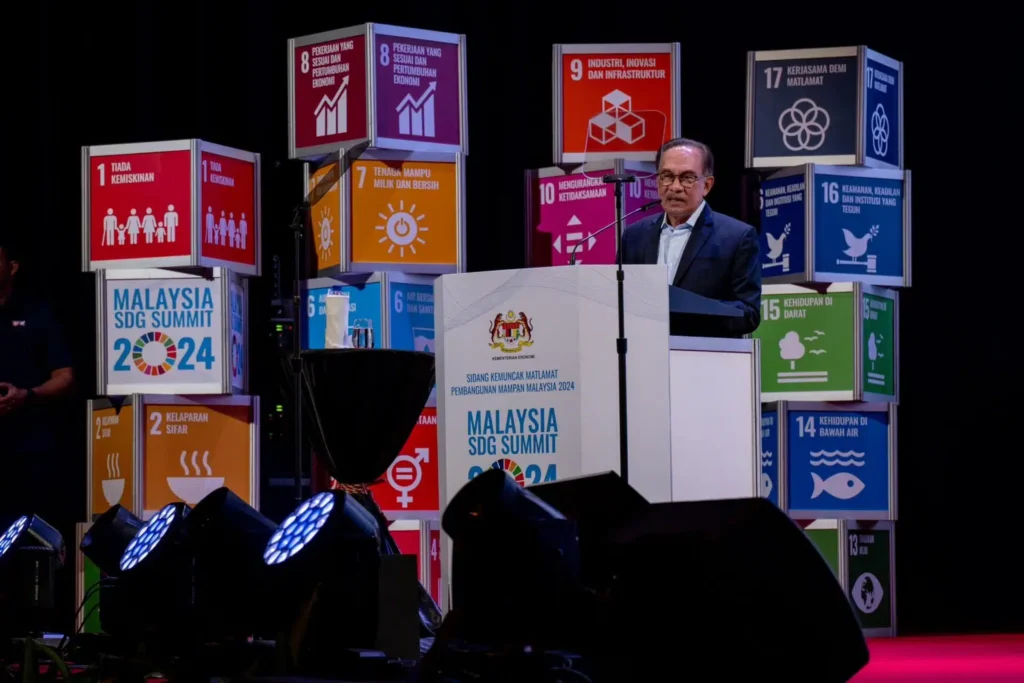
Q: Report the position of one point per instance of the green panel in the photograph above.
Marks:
(91, 609)
(870, 584)
(806, 342)
(827, 541)
(879, 348)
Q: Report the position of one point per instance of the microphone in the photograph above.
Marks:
(646, 207)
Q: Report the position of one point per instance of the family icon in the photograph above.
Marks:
(152, 229)
(225, 231)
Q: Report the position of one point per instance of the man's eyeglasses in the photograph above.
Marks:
(687, 180)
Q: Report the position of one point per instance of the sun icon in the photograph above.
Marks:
(402, 228)
(324, 233)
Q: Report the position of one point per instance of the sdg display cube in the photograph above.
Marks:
(155, 449)
(863, 556)
(831, 460)
(836, 224)
(565, 206)
(614, 101)
(167, 332)
(840, 105)
(193, 446)
(397, 308)
(377, 210)
(377, 85)
(113, 457)
(836, 342)
(171, 204)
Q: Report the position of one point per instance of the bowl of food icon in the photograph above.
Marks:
(193, 489)
(194, 486)
(113, 489)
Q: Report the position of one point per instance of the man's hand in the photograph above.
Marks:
(11, 397)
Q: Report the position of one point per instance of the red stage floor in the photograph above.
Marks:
(963, 659)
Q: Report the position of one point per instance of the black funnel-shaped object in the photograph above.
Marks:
(361, 405)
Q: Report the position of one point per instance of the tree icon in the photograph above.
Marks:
(791, 349)
(873, 351)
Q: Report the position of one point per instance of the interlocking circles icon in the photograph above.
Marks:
(880, 131)
(803, 126)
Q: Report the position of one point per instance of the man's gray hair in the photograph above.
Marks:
(705, 151)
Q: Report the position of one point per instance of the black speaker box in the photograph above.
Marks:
(723, 589)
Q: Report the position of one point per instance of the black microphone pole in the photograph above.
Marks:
(620, 344)
(298, 227)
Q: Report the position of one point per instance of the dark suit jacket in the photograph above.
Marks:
(720, 261)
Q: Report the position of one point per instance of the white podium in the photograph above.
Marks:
(527, 382)
(715, 387)
(527, 375)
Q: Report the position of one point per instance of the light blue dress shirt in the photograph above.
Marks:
(673, 242)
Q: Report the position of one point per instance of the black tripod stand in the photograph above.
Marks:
(620, 179)
(298, 228)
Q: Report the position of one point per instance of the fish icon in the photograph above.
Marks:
(766, 485)
(843, 485)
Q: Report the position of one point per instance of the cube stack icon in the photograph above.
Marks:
(617, 120)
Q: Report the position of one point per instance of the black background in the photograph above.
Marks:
(99, 73)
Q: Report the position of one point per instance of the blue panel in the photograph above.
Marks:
(858, 226)
(412, 316)
(783, 218)
(805, 107)
(364, 304)
(838, 461)
(882, 113)
(770, 456)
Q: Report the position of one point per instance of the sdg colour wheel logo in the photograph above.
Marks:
(154, 353)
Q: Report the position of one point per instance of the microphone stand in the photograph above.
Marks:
(619, 179)
(298, 227)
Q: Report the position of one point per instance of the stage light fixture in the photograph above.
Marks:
(154, 589)
(34, 533)
(336, 593)
(299, 528)
(226, 538)
(109, 537)
(152, 533)
(105, 544)
(12, 534)
(31, 553)
(504, 535)
(329, 527)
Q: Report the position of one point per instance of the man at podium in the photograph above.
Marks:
(709, 254)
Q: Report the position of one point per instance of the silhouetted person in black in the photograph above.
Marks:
(35, 371)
